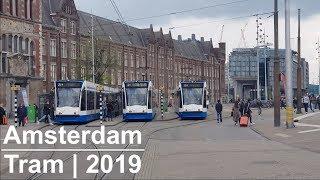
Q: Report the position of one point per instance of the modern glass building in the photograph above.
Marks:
(243, 72)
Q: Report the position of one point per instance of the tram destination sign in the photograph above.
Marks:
(136, 84)
(192, 85)
(69, 84)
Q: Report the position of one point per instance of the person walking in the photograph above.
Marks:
(2, 114)
(22, 114)
(259, 106)
(241, 107)
(313, 102)
(248, 111)
(46, 114)
(219, 111)
(236, 112)
(306, 101)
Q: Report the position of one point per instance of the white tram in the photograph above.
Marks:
(191, 100)
(78, 102)
(139, 101)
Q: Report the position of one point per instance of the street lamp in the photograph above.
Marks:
(318, 51)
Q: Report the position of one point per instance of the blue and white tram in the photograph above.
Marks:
(78, 102)
(191, 100)
(139, 101)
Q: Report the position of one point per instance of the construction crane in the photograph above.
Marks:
(221, 34)
(243, 42)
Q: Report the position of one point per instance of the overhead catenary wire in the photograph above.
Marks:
(169, 14)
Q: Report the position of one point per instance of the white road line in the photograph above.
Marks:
(282, 135)
(308, 131)
(307, 125)
(306, 116)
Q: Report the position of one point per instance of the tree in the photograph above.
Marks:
(104, 61)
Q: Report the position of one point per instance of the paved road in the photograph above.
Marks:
(189, 150)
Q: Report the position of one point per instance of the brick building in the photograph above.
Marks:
(20, 52)
(55, 38)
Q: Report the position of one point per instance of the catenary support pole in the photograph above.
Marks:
(276, 88)
(299, 74)
(289, 87)
(15, 109)
(92, 46)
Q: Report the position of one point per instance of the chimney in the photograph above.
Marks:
(193, 37)
(202, 39)
(179, 38)
(211, 40)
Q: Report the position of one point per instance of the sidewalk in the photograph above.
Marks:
(305, 135)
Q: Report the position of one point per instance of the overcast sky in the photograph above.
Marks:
(207, 22)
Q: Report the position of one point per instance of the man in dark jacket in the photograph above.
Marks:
(248, 112)
(46, 114)
(22, 114)
(241, 107)
(110, 110)
(219, 111)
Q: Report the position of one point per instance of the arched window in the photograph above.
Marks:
(15, 44)
(20, 44)
(1, 6)
(4, 42)
(26, 46)
(31, 48)
(10, 43)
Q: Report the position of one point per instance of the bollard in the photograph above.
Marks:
(101, 109)
(15, 110)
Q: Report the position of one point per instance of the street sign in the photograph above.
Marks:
(15, 88)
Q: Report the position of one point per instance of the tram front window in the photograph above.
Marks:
(137, 96)
(192, 96)
(68, 97)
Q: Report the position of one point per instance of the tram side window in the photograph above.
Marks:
(90, 100)
(123, 100)
(84, 101)
(150, 100)
(179, 99)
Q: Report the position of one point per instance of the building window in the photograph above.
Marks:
(44, 71)
(137, 61)
(73, 73)
(53, 72)
(53, 48)
(13, 5)
(4, 63)
(73, 27)
(64, 72)
(132, 60)
(119, 78)
(132, 76)
(28, 9)
(63, 25)
(125, 59)
(44, 50)
(82, 72)
(64, 48)
(73, 50)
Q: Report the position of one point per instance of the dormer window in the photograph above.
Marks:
(64, 25)
(68, 10)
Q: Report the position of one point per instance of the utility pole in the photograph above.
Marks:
(258, 61)
(276, 78)
(92, 44)
(318, 51)
(265, 66)
(289, 90)
(299, 74)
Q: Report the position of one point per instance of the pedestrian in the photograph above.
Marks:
(2, 114)
(22, 114)
(241, 107)
(110, 110)
(283, 103)
(306, 101)
(236, 112)
(259, 106)
(46, 114)
(219, 111)
(248, 111)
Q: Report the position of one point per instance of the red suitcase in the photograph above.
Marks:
(244, 120)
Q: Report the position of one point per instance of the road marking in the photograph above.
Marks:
(308, 131)
(307, 125)
(282, 135)
(72, 150)
(306, 116)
